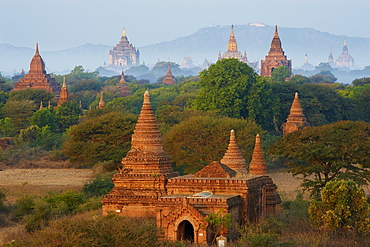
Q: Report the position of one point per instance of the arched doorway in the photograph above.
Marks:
(185, 231)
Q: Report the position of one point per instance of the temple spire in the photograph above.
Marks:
(258, 164)
(296, 119)
(122, 81)
(101, 102)
(63, 95)
(276, 33)
(147, 155)
(169, 79)
(123, 32)
(37, 49)
(41, 107)
(233, 157)
(232, 45)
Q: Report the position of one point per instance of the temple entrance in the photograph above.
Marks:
(185, 231)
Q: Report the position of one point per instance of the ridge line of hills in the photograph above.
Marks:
(204, 43)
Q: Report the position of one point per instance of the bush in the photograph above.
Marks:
(92, 230)
(101, 185)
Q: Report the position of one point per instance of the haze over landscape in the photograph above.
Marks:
(82, 32)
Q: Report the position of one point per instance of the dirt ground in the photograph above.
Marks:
(19, 182)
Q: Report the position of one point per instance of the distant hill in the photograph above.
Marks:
(204, 43)
(256, 40)
(89, 56)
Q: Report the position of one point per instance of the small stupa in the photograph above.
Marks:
(101, 101)
(296, 119)
(169, 79)
(258, 164)
(123, 87)
(63, 95)
(233, 157)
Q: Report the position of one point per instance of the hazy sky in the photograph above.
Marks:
(60, 24)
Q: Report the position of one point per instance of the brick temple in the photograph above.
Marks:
(37, 77)
(168, 78)
(296, 120)
(147, 186)
(275, 58)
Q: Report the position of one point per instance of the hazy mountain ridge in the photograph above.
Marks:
(204, 43)
(90, 56)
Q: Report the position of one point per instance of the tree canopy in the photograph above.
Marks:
(327, 153)
(225, 87)
(103, 138)
(343, 207)
(280, 74)
(196, 142)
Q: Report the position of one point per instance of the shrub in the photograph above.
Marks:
(92, 230)
(101, 185)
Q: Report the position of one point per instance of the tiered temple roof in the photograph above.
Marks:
(345, 60)
(37, 77)
(233, 157)
(123, 87)
(101, 101)
(275, 57)
(124, 54)
(258, 164)
(63, 97)
(232, 48)
(296, 119)
(169, 79)
(147, 156)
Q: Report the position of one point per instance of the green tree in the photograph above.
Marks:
(19, 112)
(43, 117)
(6, 126)
(361, 82)
(361, 97)
(67, 114)
(323, 105)
(36, 95)
(327, 153)
(299, 79)
(262, 103)
(196, 142)
(325, 76)
(280, 74)
(343, 207)
(86, 85)
(225, 87)
(103, 138)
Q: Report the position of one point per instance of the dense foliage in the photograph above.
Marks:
(198, 141)
(343, 207)
(327, 153)
(106, 137)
